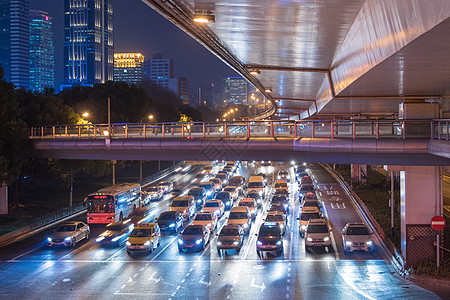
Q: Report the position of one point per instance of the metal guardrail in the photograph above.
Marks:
(440, 129)
(350, 129)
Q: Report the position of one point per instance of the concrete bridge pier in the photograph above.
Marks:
(420, 200)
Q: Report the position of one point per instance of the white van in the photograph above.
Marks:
(256, 183)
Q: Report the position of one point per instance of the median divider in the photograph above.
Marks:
(67, 213)
(383, 241)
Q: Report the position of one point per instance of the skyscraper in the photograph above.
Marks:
(42, 52)
(14, 41)
(180, 87)
(235, 90)
(129, 67)
(159, 69)
(88, 44)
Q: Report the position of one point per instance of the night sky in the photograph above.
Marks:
(138, 28)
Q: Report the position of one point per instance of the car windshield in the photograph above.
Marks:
(311, 204)
(180, 203)
(255, 184)
(203, 217)
(279, 198)
(280, 185)
(283, 173)
(270, 231)
(317, 229)
(273, 218)
(193, 231)
(141, 233)
(307, 188)
(100, 206)
(66, 228)
(229, 232)
(206, 186)
(211, 204)
(165, 183)
(223, 196)
(308, 216)
(231, 190)
(153, 189)
(357, 231)
(196, 193)
(248, 204)
(238, 215)
(166, 216)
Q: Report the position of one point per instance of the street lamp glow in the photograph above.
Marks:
(150, 117)
(85, 114)
(105, 132)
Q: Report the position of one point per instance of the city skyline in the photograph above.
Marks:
(134, 20)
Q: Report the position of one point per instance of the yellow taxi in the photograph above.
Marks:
(281, 185)
(144, 238)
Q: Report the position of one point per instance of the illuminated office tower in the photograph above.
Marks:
(129, 67)
(88, 44)
(42, 52)
(14, 41)
(159, 69)
(235, 90)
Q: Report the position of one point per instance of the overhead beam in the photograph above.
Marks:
(296, 99)
(281, 68)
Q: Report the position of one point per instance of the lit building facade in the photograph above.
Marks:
(129, 67)
(180, 87)
(88, 44)
(235, 90)
(42, 52)
(159, 69)
(14, 41)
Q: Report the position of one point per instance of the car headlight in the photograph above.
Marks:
(228, 203)
(245, 226)
(172, 225)
(198, 242)
(116, 238)
(235, 243)
(147, 243)
(326, 239)
(259, 201)
(259, 243)
(128, 243)
(199, 201)
(303, 227)
(99, 239)
(217, 212)
(285, 206)
(49, 239)
(347, 243)
(281, 226)
(278, 243)
(309, 239)
(260, 193)
(279, 177)
(180, 241)
(301, 195)
(369, 243)
(219, 243)
(67, 239)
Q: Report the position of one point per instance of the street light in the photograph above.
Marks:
(150, 117)
(86, 114)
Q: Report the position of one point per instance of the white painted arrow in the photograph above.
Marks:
(204, 282)
(152, 278)
(262, 286)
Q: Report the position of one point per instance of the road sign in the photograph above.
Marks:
(438, 223)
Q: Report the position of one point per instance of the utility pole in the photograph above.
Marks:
(71, 186)
(140, 170)
(392, 203)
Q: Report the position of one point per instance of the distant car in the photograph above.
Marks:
(255, 195)
(280, 207)
(307, 213)
(305, 189)
(223, 176)
(208, 219)
(234, 193)
(276, 216)
(226, 198)
(185, 205)
(217, 184)
(266, 163)
(230, 237)
(199, 195)
(251, 204)
(317, 234)
(270, 238)
(240, 215)
(210, 189)
(194, 237)
(284, 175)
(170, 220)
(311, 203)
(305, 180)
(356, 236)
(69, 234)
(281, 185)
(154, 192)
(282, 200)
(144, 238)
(166, 186)
(116, 234)
(264, 176)
(238, 182)
(214, 206)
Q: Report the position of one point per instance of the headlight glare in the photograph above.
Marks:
(260, 243)
(326, 239)
(99, 239)
(369, 243)
(309, 239)
(198, 242)
(116, 238)
(128, 243)
(67, 239)
(278, 243)
(49, 239)
(147, 243)
(172, 225)
(348, 243)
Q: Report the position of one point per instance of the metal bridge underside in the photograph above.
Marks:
(328, 57)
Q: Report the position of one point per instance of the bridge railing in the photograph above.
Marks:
(343, 129)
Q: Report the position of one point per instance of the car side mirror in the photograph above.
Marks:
(256, 234)
(217, 234)
(298, 218)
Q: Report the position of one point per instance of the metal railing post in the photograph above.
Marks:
(446, 125)
(54, 132)
(295, 128)
(354, 130)
(439, 130)
(189, 128)
(79, 132)
(312, 129)
(95, 133)
(31, 131)
(42, 132)
(163, 129)
(403, 130)
(271, 129)
(126, 131)
(182, 130)
(145, 130)
(378, 130)
(226, 129)
(65, 131)
(248, 129)
(332, 129)
(204, 129)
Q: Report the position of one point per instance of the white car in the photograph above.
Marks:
(154, 193)
(206, 218)
(356, 236)
(317, 234)
(68, 234)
